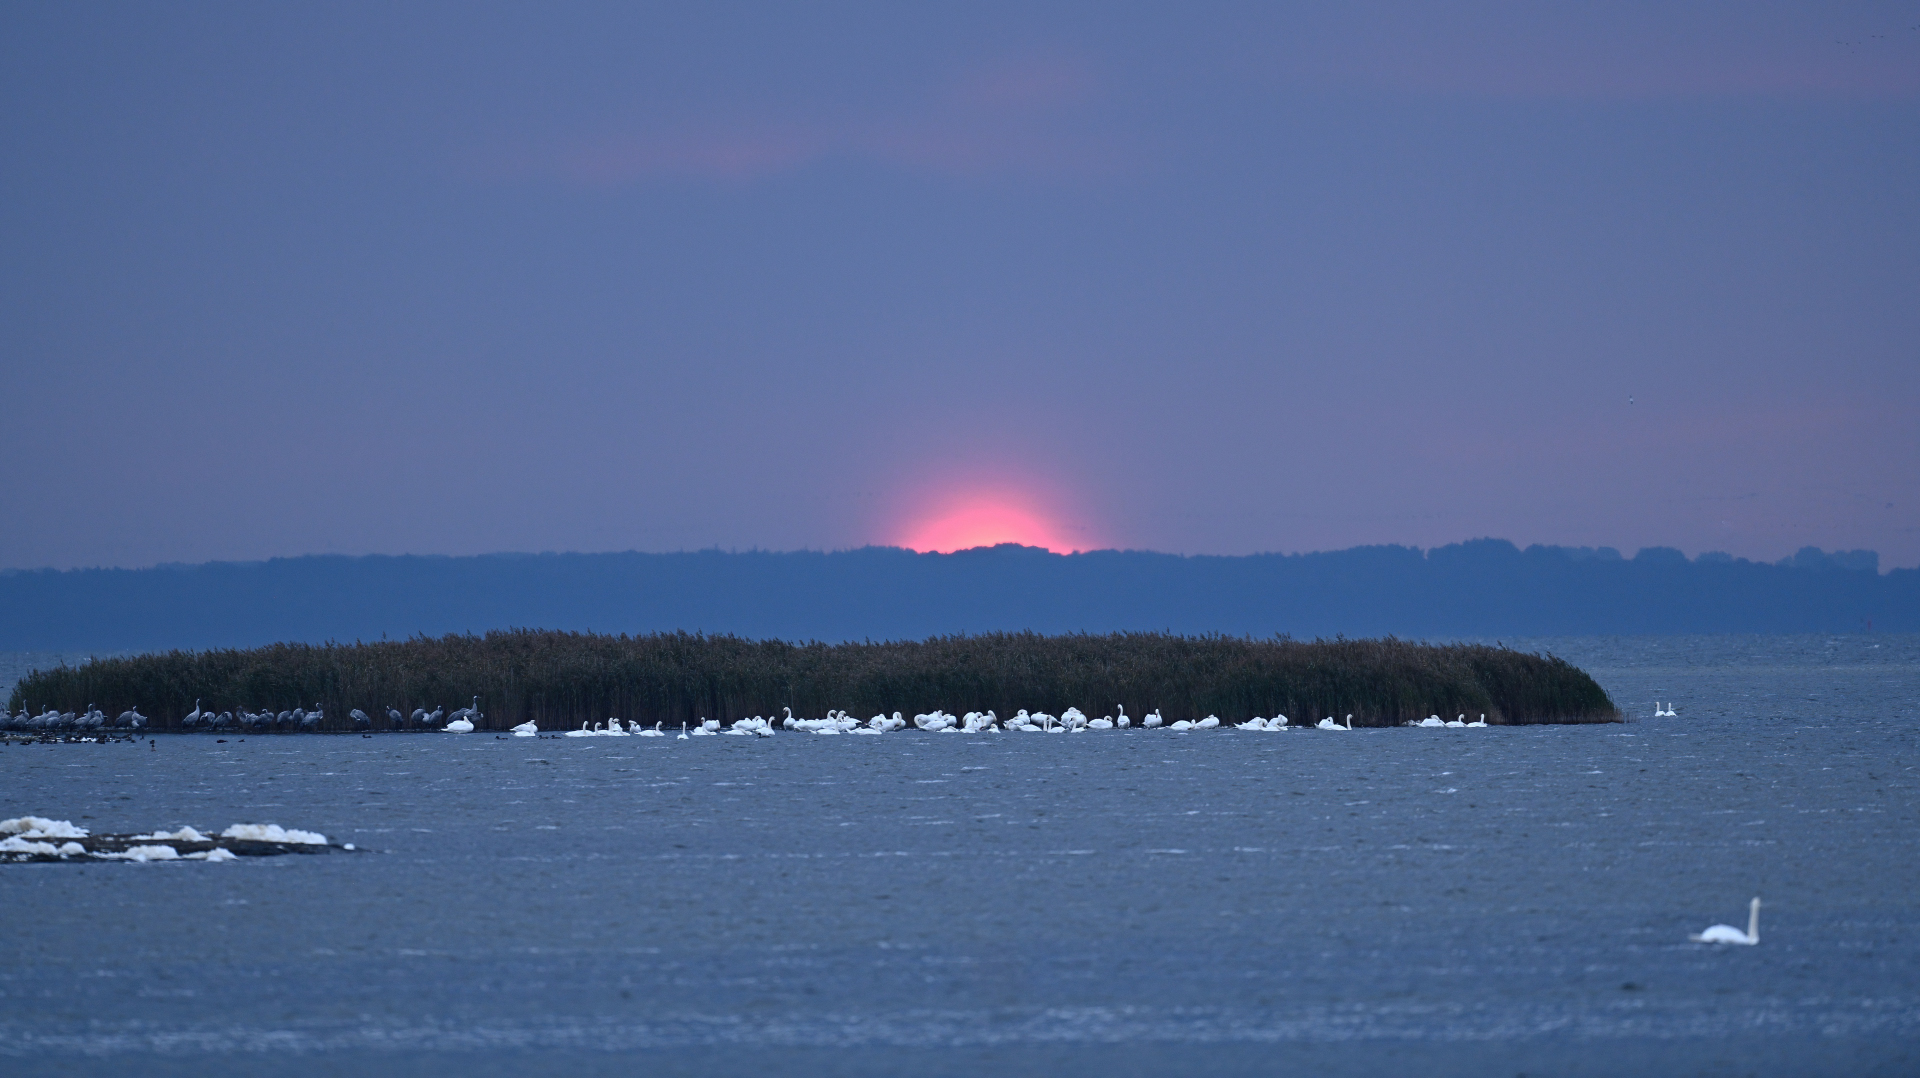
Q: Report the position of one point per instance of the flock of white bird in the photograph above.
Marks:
(1071, 721)
(465, 720)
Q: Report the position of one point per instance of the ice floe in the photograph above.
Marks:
(40, 827)
(38, 838)
(185, 834)
(144, 854)
(273, 832)
(32, 848)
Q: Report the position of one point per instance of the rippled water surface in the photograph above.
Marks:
(1393, 901)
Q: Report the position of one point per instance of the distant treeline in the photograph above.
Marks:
(562, 679)
(1486, 588)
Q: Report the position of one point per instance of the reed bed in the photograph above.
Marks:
(562, 679)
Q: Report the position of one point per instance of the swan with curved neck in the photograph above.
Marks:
(1730, 934)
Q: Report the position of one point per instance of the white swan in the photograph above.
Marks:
(655, 732)
(526, 729)
(1461, 721)
(1182, 725)
(1730, 934)
(460, 726)
(1328, 724)
(1430, 720)
(582, 732)
(1482, 722)
(1122, 721)
(1152, 720)
(193, 717)
(1207, 723)
(683, 731)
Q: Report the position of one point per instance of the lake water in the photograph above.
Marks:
(1437, 902)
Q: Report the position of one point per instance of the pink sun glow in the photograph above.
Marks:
(983, 522)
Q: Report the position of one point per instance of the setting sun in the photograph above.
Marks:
(983, 521)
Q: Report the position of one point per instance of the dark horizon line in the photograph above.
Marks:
(1580, 553)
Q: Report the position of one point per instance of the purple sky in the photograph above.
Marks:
(405, 278)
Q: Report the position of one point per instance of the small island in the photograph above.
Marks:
(561, 680)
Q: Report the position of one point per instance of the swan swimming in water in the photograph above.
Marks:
(1730, 934)
(526, 729)
(1152, 720)
(1461, 721)
(1482, 722)
(1122, 722)
(460, 726)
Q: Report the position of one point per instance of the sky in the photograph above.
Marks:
(463, 278)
